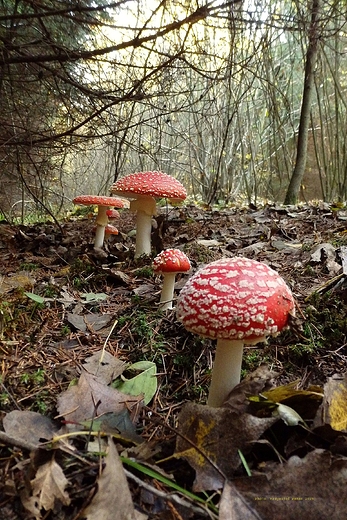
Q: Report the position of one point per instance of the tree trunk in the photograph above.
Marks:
(301, 149)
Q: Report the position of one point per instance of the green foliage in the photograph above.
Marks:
(139, 325)
(65, 330)
(51, 291)
(252, 358)
(4, 399)
(28, 266)
(36, 378)
(35, 297)
(144, 272)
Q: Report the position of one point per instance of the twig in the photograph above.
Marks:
(170, 496)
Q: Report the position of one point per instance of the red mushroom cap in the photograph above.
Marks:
(171, 261)
(153, 184)
(111, 230)
(237, 299)
(88, 200)
(112, 213)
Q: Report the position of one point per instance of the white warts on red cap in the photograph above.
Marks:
(235, 298)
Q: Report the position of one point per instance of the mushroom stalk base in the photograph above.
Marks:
(226, 370)
(99, 236)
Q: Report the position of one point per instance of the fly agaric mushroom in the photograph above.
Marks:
(168, 263)
(142, 189)
(239, 302)
(112, 214)
(110, 230)
(104, 204)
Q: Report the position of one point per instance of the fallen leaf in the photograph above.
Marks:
(113, 498)
(93, 297)
(48, 486)
(92, 321)
(211, 439)
(282, 245)
(143, 383)
(104, 366)
(120, 276)
(233, 506)
(14, 281)
(35, 297)
(29, 426)
(326, 253)
(118, 424)
(90, 397)
(313, 487)
(289, 416)
(343, 256)
(283, 393)
(334, 407)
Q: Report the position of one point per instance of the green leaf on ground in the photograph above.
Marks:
(35, 297)
(144, 383)
(94, 297)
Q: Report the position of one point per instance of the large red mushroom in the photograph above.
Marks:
(169, 263)
(103, 204)
(142, 188)
(237, 301)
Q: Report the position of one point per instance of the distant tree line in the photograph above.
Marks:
(240, 101)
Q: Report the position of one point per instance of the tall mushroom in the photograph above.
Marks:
(169, 263)
(142, 188)
(103, 204)
(239, 302)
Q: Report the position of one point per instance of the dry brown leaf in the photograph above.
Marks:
(48, 487)
(233, 506)
(113, 498)
(29, 426)
(211, 438)
(90, 397)
(312, 488)
(334, 407)
(21, 279)
(105, 366)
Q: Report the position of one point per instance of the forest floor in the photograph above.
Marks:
(73, 319)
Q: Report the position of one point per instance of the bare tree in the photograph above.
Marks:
(308, 91)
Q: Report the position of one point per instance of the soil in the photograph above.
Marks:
(43, 341)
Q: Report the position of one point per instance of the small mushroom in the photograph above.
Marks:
(112, 214)
(110, 230)
(104, 204)
(168, 263)
(238, 302)
(142, 189)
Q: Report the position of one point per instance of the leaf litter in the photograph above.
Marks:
(253, 458)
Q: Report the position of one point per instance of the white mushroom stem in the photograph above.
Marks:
(99, 236)
(167, 291)
(226, 371)
(146, 208)
(101, 223)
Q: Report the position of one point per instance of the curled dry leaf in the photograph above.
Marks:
(48, 486)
